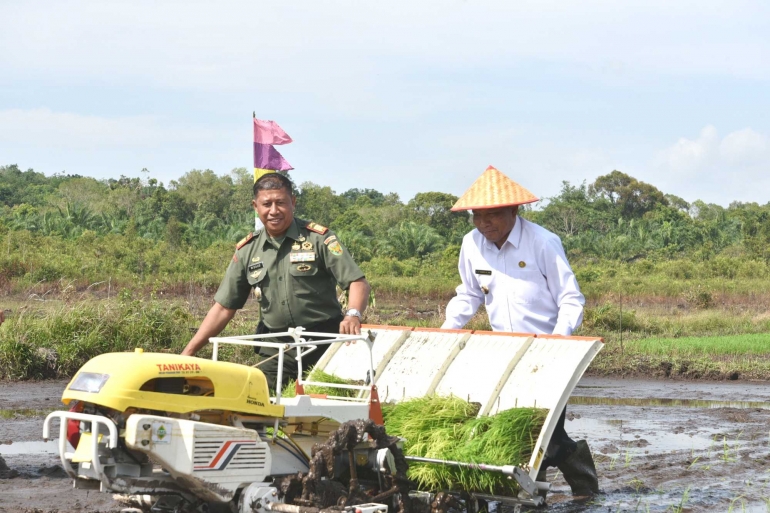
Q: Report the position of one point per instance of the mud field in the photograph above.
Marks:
(659, 446)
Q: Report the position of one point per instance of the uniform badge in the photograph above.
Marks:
(295, 247)
(254, 267)
(303, 268)
(258, 293)
(235, 257)
(255, 259)
(522, 264)
(256, 274)
(334, 247)
(329, 239)
(301, 238)
(304, 256)
(307, 245)
(485, 272)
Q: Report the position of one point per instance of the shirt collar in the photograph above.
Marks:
(292, 233)
(514, 238)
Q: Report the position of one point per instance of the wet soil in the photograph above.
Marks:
(658, 445)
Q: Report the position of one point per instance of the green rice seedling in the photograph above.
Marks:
(685, 497)
(322, 377)
(446, 428)
(740, 499)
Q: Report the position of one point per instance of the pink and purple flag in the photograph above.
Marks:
(267, 158)
(268, 132)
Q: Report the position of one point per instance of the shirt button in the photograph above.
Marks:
(280, 278)
(283, 302)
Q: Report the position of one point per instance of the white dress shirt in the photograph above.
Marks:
(527, 285)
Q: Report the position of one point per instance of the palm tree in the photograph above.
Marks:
(410, 239)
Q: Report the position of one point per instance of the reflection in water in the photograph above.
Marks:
(687, 403)
(50, 447)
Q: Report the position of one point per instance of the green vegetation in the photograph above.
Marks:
(56, 343)
(718, 357)
(75, 250)
(447, 428)
(320, 376)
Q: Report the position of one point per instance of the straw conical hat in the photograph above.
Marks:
(492, 190)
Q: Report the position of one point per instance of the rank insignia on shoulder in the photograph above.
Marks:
(315, 227)
(485, 272)
(244, 241)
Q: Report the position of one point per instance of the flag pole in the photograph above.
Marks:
(257, 223)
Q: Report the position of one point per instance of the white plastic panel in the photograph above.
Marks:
(352, 361)
(498, 370)
(478, 367)
(543, 373)
(412, 369)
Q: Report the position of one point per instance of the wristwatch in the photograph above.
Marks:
(354, 313)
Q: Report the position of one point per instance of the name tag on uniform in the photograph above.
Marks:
(484, 272)
(254, 267)
(303, 256)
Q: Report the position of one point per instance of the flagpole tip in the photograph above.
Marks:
(254, 114)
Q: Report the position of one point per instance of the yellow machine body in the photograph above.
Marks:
(171, 383)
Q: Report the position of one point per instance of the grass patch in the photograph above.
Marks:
(721, 357)
(16, 413)
(55, 342)
(730, 345)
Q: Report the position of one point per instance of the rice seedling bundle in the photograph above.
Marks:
(447, 428)
(322, 377)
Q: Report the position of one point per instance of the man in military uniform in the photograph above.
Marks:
(293, 268)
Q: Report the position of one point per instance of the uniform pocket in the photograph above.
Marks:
(527, 286)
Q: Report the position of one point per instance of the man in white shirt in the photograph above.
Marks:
(520, 272)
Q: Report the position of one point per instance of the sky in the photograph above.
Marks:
(396, 96)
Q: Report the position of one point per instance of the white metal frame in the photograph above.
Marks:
(300, 344)
(96, 421)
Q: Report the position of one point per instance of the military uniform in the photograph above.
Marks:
(294, 280)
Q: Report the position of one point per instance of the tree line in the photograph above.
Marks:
(616, 217)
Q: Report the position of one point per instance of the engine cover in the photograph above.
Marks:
(210, 460)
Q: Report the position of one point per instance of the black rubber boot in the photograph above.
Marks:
(579, 471)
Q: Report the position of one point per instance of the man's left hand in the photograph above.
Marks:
(350, 325)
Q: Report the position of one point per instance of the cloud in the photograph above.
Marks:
(740, 149)
(46, 128)
(308, 45)
(744, 147)
(689, 155)
(714, 168)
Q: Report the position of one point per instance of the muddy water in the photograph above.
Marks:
(658, 445)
